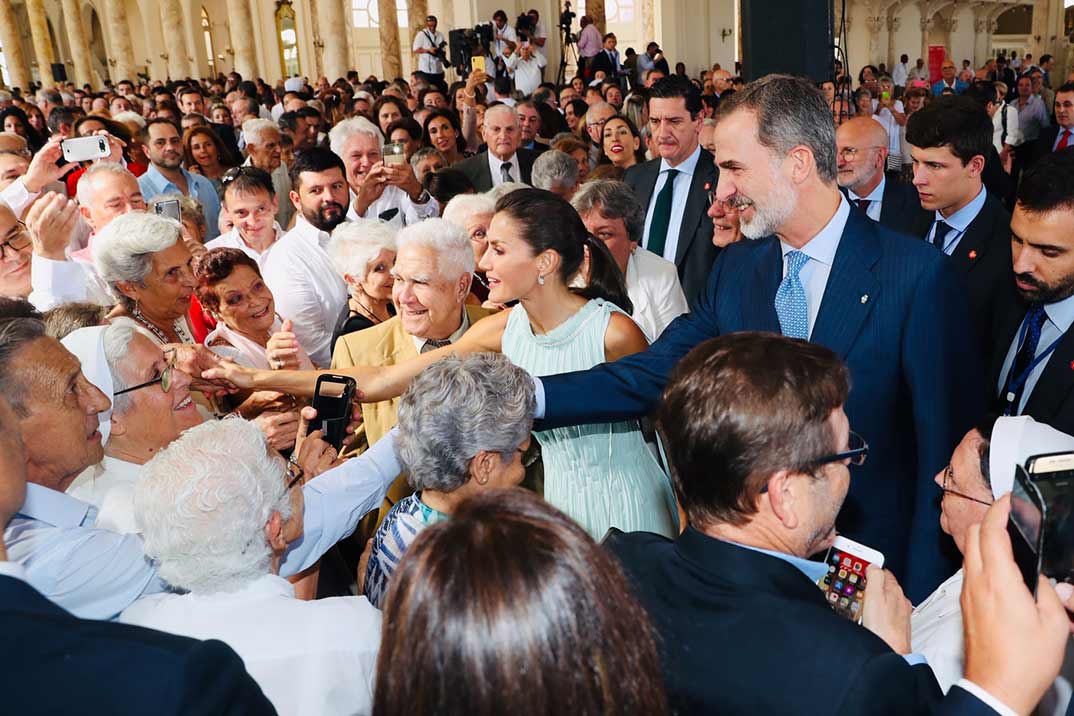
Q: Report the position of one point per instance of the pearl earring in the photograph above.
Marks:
(540, 279)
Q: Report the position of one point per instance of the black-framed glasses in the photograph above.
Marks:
(18, 239)
(531, 454)
(857, 450)
(295, 473)
(948, 479)
(165, 380)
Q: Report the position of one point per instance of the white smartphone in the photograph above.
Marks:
(394, 153)
(844, 584)
(83, 149)
(171, 209)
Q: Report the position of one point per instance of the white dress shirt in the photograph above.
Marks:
(309, 657)
(1060, 317)
(509, 35)
(875, 199)
(959, 222)
(527, 73)
(821, 252)
(678, 202)
(233, 240)
(109, 487)
(430, 64)
(96, 573)
(405, 212)
(1014, 130)
(497, 175)
(54, 282)
(652, 283)
(307, 288)
(936, 632)
(464, 325)
(899, 74)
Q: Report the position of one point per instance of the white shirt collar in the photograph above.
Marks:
(876, 194)
(823, 246)
(308, 231)
(961, 219)
(419, 343)
(687, 166)
(55, 508)
(495, 163)
(14, 570)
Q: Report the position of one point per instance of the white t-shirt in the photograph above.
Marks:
(427, 63)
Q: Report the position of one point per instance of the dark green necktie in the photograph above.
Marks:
(658, 230)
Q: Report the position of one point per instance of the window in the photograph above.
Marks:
(367, 13)
(207, 35)
(615, 11)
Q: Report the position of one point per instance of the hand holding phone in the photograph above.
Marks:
(477, 64)
(844, 585)
(83, 149)
(394, 153)
(332, 400)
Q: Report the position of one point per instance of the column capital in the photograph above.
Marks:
(893, 23)
(873, 23)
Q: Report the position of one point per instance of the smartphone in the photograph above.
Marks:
(332, 400)
(1053, 476)
(885, 95)
(394, 153)
(83, 149)
(1026, 528)
(171, 209)
(844, 584)
(477, 63)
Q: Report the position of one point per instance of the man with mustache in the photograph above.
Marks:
(302, 278)
(166, 175)
(1033, 359)
(894, 310)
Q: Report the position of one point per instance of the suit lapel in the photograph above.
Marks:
(1055, 382)
(484, 170)
(852, 289)
(891, 203)
(704, 174)
(974, 243)
(647, 181)
(759, 294)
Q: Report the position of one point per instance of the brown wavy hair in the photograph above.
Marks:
(226, 159)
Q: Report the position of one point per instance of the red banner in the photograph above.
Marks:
(937, 53)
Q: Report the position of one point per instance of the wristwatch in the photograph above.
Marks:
(423, 197)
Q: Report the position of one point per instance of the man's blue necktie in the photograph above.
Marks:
(791, 304)
(1034, 323)
(939, 236)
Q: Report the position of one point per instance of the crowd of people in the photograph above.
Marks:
(628, 353)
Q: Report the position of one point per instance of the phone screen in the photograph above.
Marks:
(1054, 478)
(477, 63)
(844, 585)
(170, 209)
(1025, 527)
(332, 401)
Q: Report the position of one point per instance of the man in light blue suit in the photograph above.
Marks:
(892, 307)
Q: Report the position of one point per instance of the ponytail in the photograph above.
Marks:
(605, 281)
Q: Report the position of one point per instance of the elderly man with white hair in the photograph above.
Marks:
(504, 161)
(378, 190)
(105, 191)
(363, 253)
(557, 172)
(218, 509)
(473, 214)
(263, 151)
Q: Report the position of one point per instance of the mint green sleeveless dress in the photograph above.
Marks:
(601, 475)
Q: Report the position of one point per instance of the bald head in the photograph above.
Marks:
(862, 152)
(721, 80)
(11, 142)
(106, 191)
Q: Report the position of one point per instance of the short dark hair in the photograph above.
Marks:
(982, 92)
(406, 123)
(1049, 184)
(143, 133)
(428, 91)
(314, 159)
(1065, 87)
(959, 123)
(1045, 58)
(741, 407)
(187, 89)
(673, 86)
(247, 179)
(508, 562)
(60, 116)
(445, 184)
(308, 112)
(213, 267)
(288, 122)
(20, 325)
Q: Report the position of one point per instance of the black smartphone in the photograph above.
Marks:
(1025, 526)
(1053, 476)
(332, 398)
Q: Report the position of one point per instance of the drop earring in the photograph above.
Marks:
(540, 279)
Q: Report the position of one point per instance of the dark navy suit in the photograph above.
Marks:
(895, 311)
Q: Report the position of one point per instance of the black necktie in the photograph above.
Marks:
(432, 344)
(940, 234)
(863, 204)
(505, 172)
(1034, 321)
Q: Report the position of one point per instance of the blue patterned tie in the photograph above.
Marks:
(791, 304)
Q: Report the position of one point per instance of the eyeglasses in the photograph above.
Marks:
(18, 239)
(294, 472)
(948, 478)
(599, 123)
(165, 381)
(849, 153)
(857, 450)
(530, 454)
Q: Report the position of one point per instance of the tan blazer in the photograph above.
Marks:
(382, 345)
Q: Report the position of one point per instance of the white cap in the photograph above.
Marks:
(1014, 441)
(87, 344)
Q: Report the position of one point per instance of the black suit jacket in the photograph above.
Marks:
(741, 632)
(57, 663)
(1052, 398)
(960, 702)
(695, 252)
(983, 254)
(601, 61)
(1042, 146)
(476, 168)
(900, 208)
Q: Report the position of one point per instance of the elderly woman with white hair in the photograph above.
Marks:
(557, 172)
(363, 253)
(464, 428)
(147, 266)
(218, 509)
(473, 212)
(378, 190)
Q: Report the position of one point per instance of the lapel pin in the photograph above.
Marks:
(865, 298)
(1072, 365)
(973, 255)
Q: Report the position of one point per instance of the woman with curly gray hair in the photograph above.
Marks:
(464, 428)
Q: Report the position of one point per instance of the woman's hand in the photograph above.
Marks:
(227, 372)
(282, 348)
(280, 429)
(52, 221)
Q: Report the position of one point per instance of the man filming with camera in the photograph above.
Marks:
(431, 47)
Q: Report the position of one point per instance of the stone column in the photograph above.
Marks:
(982, 36)
(76, 38)
(333, 31)
(18, 71)
(121, 54)
(873, 23)
(893, 23)
(925, 25)
(35, 10)
(595, 10)
(241, 32)
(391, 59)
(648, 22)
(171, 16)
(417, 11)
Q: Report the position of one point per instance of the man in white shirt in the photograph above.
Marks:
(526, 67)
(251, 204)
(263, 151)
(307, 288)
(538, 38)
(218, 510)
(378, 189)
(504, 36)
(900, 74)
(431, 48)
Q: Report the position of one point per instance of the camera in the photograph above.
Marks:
(466, 44)
(566, 17)
(525, 26)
